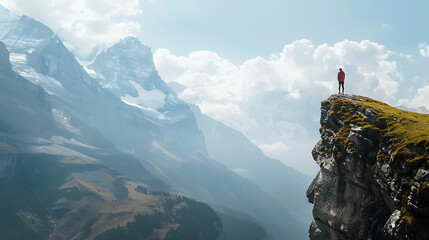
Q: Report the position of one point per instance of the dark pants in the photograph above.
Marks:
(339, 86)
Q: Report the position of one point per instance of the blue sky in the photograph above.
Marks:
(242, 29)
(262, 67)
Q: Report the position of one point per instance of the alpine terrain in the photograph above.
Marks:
(108, 151)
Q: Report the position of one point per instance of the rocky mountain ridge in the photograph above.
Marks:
(128, 71)
(59, 115)
(54, 187)
(373, 182)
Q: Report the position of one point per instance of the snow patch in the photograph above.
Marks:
(18, 58)
(148, 111)
(91, 72)
(49, 84)
(109, 85)
(153, 99)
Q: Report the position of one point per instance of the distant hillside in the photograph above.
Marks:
(239, 154)
(45, 196)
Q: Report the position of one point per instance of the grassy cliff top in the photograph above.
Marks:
(406, 132)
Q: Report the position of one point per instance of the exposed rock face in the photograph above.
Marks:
(373, 182)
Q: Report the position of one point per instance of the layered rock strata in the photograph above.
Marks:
(373, 178)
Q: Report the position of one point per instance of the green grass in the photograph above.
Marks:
(407, 132)
(195, 221)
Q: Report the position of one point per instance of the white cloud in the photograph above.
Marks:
(276, 101)
(424, 49)
(419, 102)
(407, 57)
(83, 23)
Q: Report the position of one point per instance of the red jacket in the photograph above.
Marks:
(341, 76)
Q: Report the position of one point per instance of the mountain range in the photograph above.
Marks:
(101, 150)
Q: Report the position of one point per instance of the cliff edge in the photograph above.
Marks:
(374, 172)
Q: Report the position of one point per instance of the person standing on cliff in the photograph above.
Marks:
(341, 76)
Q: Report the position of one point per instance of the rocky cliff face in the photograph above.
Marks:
(373, 178)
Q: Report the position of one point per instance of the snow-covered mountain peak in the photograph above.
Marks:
(39, 55)
(25, 34)
(133, 44)
(131, 49)
(129, 40)
(127, 69)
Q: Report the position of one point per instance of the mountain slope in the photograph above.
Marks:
(240, 155)
(158, 146)
(54, 186)
(127, 68)
(374, 162)
(27, 100)
(91, 124)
